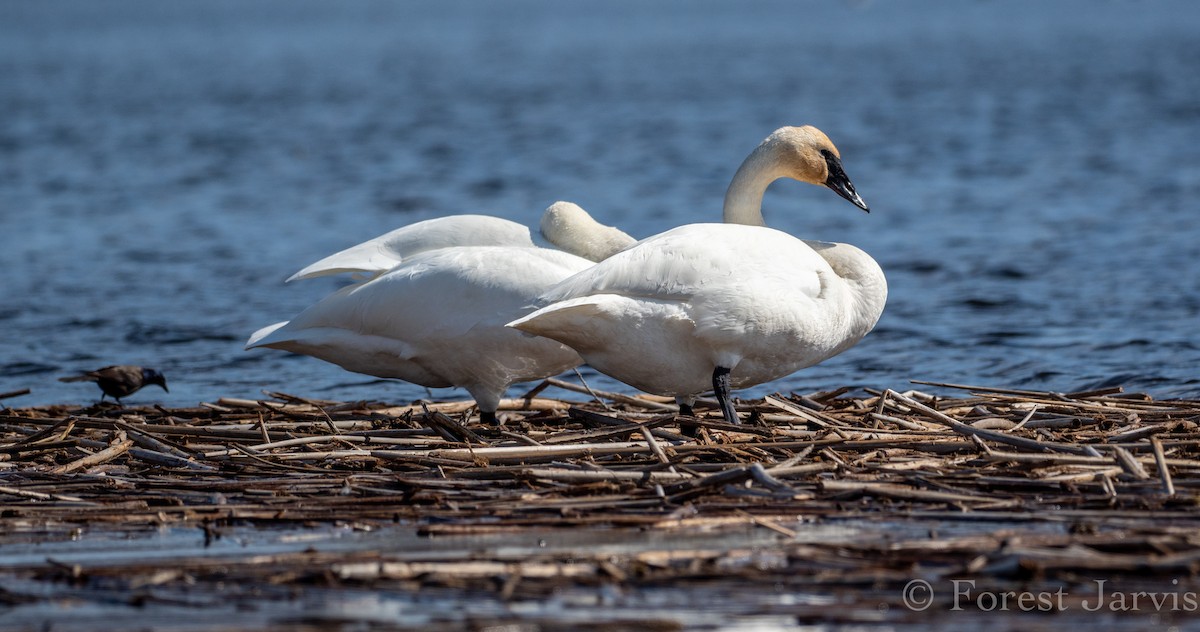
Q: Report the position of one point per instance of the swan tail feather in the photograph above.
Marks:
(264, 337)
(368, 259)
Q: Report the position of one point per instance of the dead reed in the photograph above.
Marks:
(1118, 472)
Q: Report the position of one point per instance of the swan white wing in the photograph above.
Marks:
(438, 320)
(443, 292)
(661, 315)
(684, 262)
(376, 256)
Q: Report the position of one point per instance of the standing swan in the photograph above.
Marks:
(723, 305)
(437, 319)
(564, 225)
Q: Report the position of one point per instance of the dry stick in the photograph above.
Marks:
(616, 397)
(169, 460)
(792, 460)
(539, 404)
(13, 491)
(315, 403)
(727, 477)
(796, 410)
(760, 475)
(1137, 434)
(535, 452)
(587, 415)
(467, 456)
(1108, 406)
(1087, 475)
(272, 464)
(987, 389)
(593, 435)
(520, 438)
(119, 446)
(657, 449)
(42, 434)
(1160, 460)
(438, 425)
(1064, 459)
(329, 420)
(1026, 419)
(535, 391)
(152, 456)
(582, 381)
(1129, 464)
(147, 441)
(564, 475)
(16, 393)
(768, 523)
(463, 433)
(802, 470)
(903, 423)
(262, 426)
(999, 437)
(907, 493)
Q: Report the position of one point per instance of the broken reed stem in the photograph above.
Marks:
(120, 444)
(587, 388)
(1164, 471)
(616, 397)
(961, 428)
(579, 462)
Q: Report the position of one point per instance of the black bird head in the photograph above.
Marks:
(152, 376)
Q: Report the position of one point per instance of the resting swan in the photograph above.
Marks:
(723, 305)
(437, 319)
(564, 225)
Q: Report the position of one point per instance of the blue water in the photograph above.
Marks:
(1032, 169)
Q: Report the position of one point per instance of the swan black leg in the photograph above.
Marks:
(721, 388)
(685, 410)
(488, 418)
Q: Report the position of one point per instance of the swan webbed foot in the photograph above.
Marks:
(488, 418)
(720, 381)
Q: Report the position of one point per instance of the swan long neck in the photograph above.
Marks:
(743, 198)
(863, 276)
(572, 230)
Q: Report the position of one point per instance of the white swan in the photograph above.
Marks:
(437, 319)
(564, 225)
(723, 305)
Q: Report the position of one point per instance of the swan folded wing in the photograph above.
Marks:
(692, 260)
(445, 293)
(376, 256)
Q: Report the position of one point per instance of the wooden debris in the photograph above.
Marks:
(1124, 468)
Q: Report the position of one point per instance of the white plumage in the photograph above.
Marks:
(564, 225)
(437, 320)
(723, 304)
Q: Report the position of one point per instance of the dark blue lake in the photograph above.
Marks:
(1033, 170)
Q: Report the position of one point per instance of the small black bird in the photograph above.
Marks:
(120, 380)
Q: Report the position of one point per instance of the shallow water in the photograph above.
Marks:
(115, 565)
(1031, 169)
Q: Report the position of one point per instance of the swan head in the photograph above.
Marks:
(572, 229)
(806, 154)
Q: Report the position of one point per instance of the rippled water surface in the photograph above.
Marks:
(1032, 169)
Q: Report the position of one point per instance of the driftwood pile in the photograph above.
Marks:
(1001, 485)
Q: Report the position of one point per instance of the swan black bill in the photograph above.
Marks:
(840, 183)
